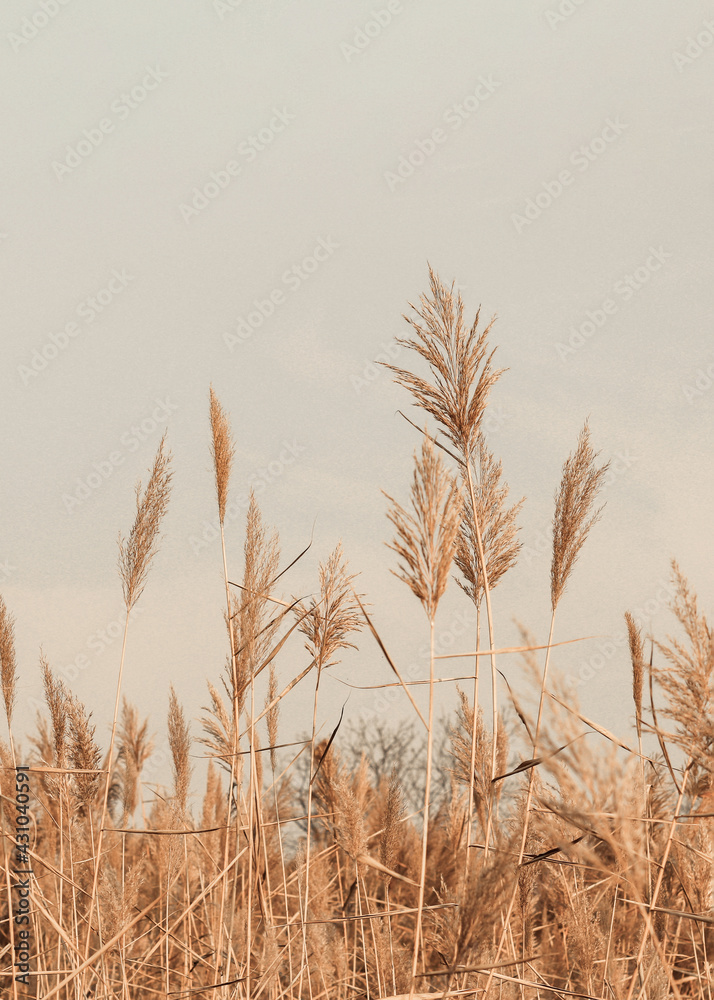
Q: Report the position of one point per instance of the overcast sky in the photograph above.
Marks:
(247, 194)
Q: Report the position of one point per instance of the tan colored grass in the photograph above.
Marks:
(180, 747)
(497, 522)
(301, 882)
(134, 747)
(137, 551)
(574, 515)
(8, 664)
(222, 452)
(426, 535)
(634, 637)
(462, 374)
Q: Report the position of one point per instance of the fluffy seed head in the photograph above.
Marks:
(426, 539)
(138, 550)
(222, 452)
(273, 713)
(460, 363)
(637, 656)
(83, 752)
(335, 616)
(8, 666)
(579, 487)
(180, 745)
(57, 697)
(496, 521)
(389, 840)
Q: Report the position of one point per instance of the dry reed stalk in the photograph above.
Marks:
(637, 659)
(134, 749)
(462, 379)
(136, 553)
(222, 452)
(180, 746)
(388, 844)
(500, 547)
(582, 481)
(252, 638)
(426, 539)
(579, 487)
(57, 697)
(84, 755)
(273, 713)
(326, 626)
(499, 529)
(460, 364)
(573, 518)
(687, 680)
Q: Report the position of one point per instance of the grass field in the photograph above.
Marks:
(522, 861)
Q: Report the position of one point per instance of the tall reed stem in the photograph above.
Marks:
(234, 760)
(492, 646)
(418, 936)
(105, 798)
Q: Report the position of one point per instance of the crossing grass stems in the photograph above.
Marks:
(537, 862)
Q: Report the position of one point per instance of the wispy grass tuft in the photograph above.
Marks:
(460, 362)
(426, 536)
(574, 516)
(222, 452)
(498, 523)
(8, 664)
(138, 550)
(637, 657)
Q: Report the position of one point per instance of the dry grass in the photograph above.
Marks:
(520, 860)
(427, 536)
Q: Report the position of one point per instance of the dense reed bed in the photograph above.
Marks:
(498, 855)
